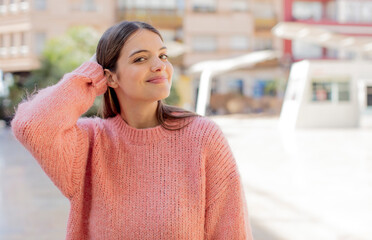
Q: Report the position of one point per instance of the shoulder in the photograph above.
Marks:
(91, 124)
(205, 128)
(204, 123)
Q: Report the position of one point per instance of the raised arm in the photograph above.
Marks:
(47, 125)
(226, 215)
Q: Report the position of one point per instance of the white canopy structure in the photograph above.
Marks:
(208, 69)
(323, 37)
(324, 93)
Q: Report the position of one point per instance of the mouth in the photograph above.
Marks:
(158, 79)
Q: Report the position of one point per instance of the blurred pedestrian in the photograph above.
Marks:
(143, 169)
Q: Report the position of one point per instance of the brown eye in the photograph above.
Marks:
(164, 57)
(140, 59)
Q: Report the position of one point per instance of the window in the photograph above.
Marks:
(263, 44)
(264, 10)
(24, 5)
(343, 91)
(12, 40)
(366, 12)
(13, 44)
(204, 5)
(204, 43)
(168, 35)
(40, 39)
(3, 50)
(139, 4)
(3, 8)
(331, 10)
(154, 4)
(264, 87)
(23, 39)
(236, 86)
(369, 96)
(331, 89)
(355, 11)
(2, 42)
(239, 5)
(40, 4)
(239, 43)
(307, 10)
(162, 4)
(332, 53)
(24, 48)
(322, 91)
(89, 5)
(13, 7)
(303, 50)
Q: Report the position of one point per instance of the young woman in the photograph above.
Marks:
(143, 170)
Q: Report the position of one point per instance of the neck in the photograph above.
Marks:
(139, 114)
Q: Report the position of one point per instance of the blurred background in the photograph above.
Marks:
(288, 81)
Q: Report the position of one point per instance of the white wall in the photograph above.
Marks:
(301, 111)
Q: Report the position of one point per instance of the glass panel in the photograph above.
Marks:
(204, 43)
(321, 91)
(89, 5)
(331, 88)
(343, 91)
(204, 5)
(305, 50)
(239, 5)
(263, 10)
(12, 40)
(307, 10)
(369, 96)
(40, 4)
(40, 39)
(239, 43)
(263, 44)
(23, 39)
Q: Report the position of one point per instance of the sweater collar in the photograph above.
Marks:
(140, 136)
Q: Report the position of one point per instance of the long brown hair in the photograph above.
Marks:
(107, 54)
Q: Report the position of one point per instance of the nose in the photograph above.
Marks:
(158, 66)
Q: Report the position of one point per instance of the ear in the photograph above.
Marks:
(112, 80)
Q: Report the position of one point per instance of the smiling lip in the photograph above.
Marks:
(159, 79)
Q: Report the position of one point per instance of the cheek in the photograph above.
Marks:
(170, 67)
(170, 70)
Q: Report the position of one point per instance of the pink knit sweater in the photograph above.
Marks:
(128, 183)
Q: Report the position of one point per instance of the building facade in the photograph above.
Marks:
(220, 29)
(26, 25)
(200, 29)
(350, 86)
(348, 17)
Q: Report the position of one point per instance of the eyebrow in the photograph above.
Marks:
(139, 51)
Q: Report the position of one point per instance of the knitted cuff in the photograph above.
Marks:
(95, 73)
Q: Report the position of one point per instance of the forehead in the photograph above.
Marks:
(142, 40)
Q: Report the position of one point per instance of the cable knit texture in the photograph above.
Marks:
(128, 183)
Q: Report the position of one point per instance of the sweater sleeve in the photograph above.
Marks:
(226, 215)
(47, 125)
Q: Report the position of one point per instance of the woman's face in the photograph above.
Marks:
(143, 72)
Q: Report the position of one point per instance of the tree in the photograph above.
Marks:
(62, 55)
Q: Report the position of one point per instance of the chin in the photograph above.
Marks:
(159, 98)
(164, 95)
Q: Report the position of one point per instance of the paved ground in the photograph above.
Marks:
(310, 184)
